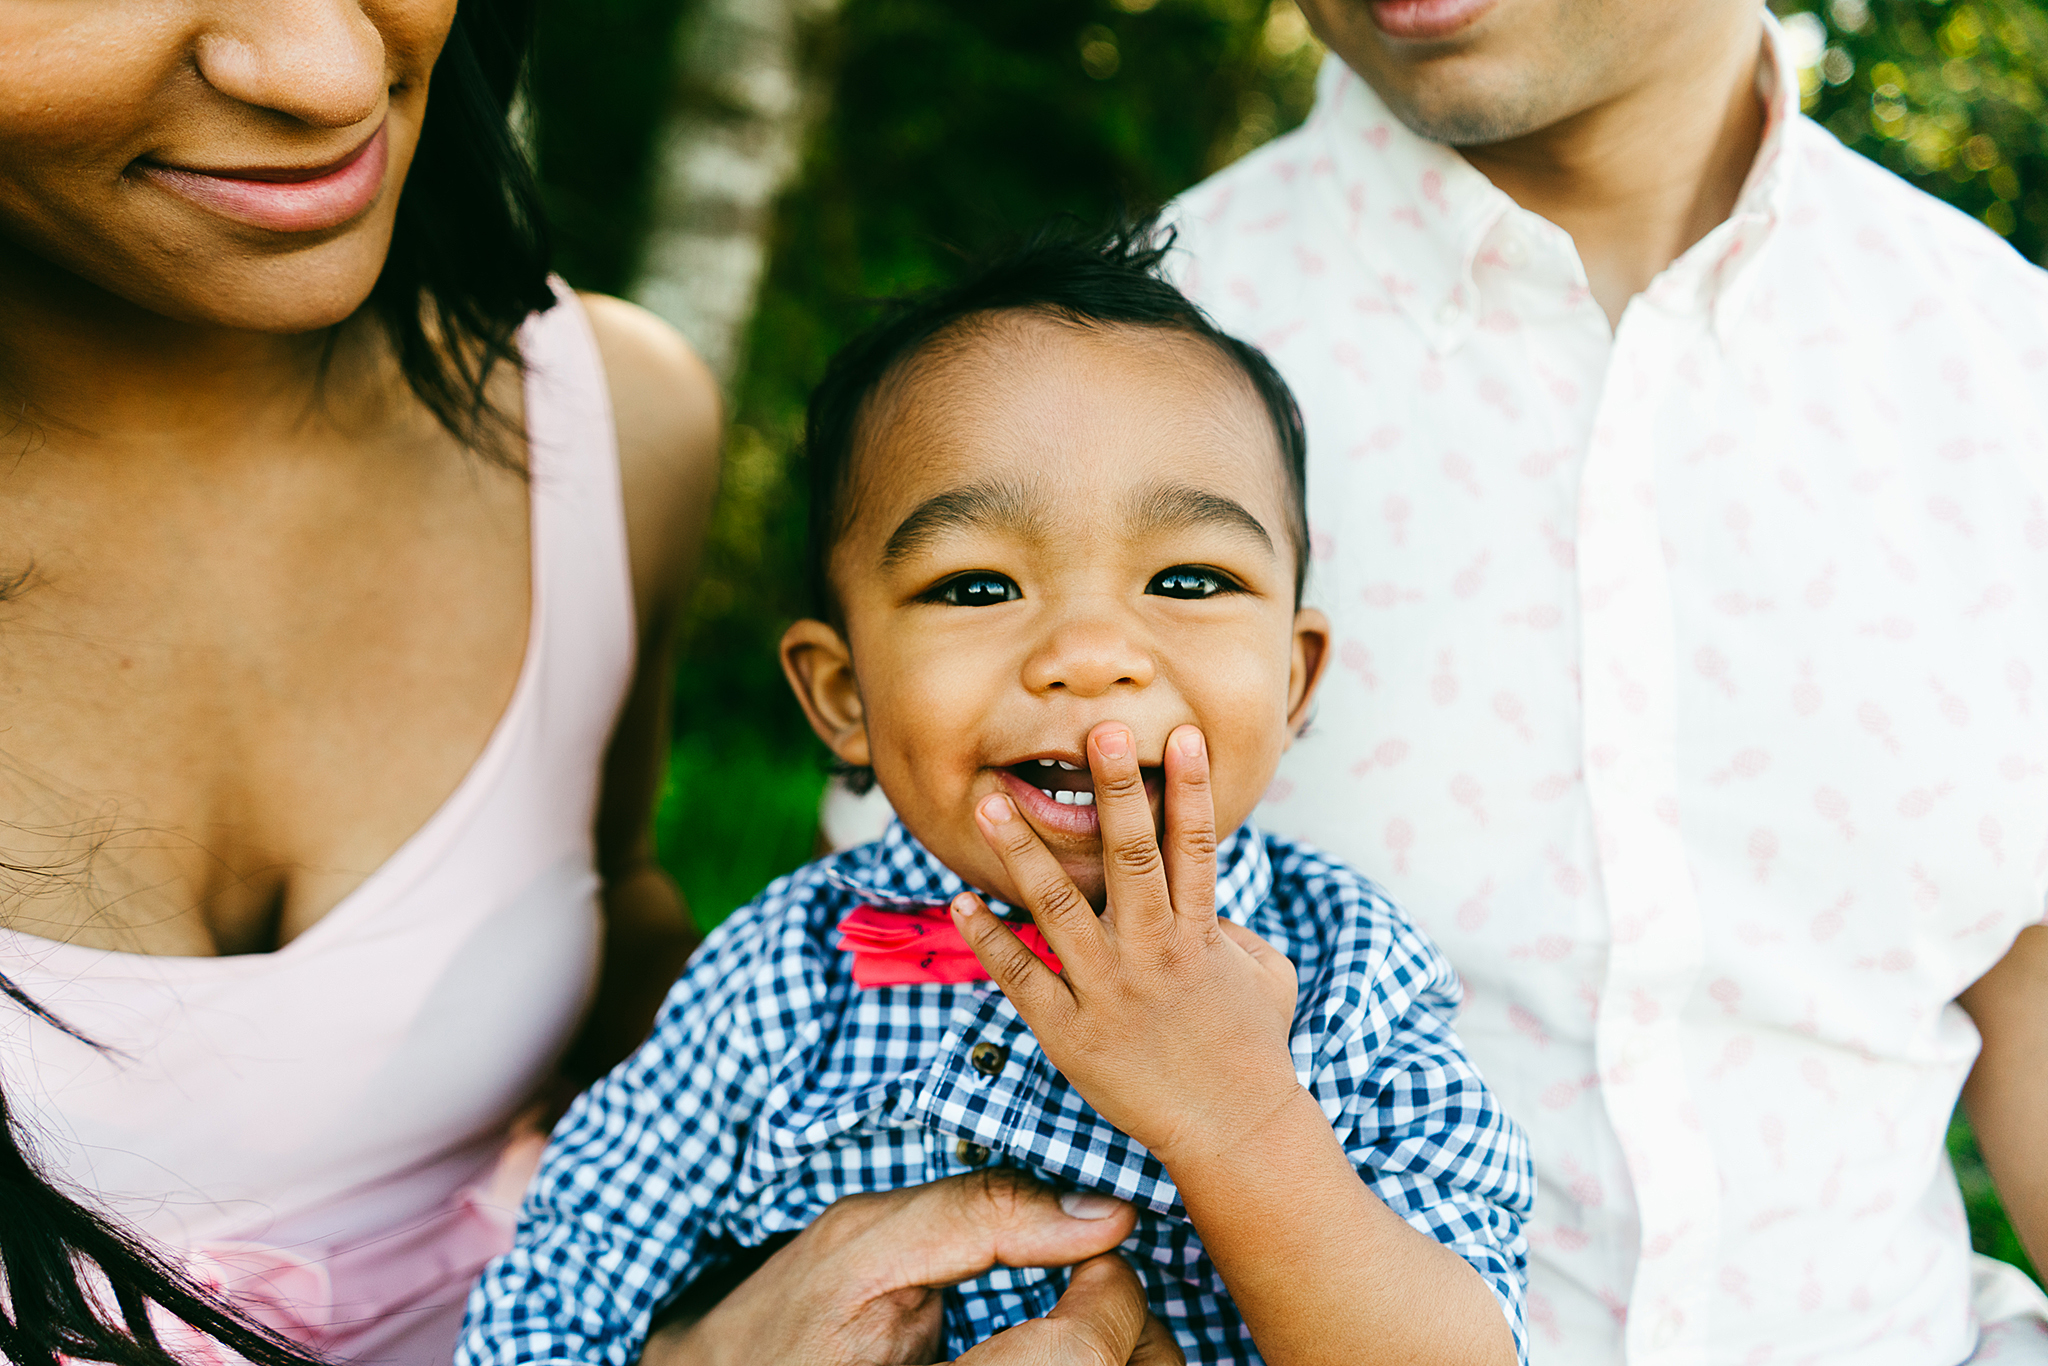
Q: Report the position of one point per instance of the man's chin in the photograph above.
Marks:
(1463, 99)
(1487, 84)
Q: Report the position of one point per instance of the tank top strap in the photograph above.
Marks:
(582, 571)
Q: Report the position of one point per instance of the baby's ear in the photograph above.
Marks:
(820, 672)
(1311, 652)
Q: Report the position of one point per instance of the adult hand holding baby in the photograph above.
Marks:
(862, 1285)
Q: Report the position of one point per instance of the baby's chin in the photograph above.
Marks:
(1089, 880)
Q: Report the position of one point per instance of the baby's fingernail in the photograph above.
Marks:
(1191, 742)
(1089, 1205)
(996, 809)
(1114, 743)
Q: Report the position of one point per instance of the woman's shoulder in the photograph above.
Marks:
(669, 417)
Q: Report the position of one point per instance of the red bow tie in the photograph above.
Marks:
(919, 944)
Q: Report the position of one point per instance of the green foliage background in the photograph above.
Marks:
(1951, 96)
(954, 123)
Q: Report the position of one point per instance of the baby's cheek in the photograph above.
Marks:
(1244, 753)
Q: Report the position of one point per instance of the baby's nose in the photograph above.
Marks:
(1088, 657)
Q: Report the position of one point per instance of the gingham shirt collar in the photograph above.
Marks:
(898, 873)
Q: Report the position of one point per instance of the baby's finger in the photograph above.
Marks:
(1133, 872)
(1190, 844)
(1057, 907)
(1035, 989)
(1274, 962)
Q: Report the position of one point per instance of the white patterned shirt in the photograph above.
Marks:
(1691, 690)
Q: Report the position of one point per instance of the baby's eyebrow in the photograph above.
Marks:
(1003, 507)
(1177, 507)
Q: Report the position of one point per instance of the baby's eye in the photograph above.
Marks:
(976, 588)
(1192, 581)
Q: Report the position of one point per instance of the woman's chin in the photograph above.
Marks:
(305, 291)
(211, 280)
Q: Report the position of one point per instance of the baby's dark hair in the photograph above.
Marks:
(1080, 276)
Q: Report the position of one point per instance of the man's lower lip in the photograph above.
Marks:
(1426, 20)
(286, 206)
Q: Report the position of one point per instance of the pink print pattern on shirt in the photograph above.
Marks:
(1685, 689)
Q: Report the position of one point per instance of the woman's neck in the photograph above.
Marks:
(103, 371)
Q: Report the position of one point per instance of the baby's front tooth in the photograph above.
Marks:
(1045, 763)
(1071, 768)
(1063, 798)
(1084, 799)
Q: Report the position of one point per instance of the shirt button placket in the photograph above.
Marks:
(988, 1059)
(1655, 949)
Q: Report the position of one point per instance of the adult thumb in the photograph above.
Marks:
(958, 1228)
(1105, 1294)
(1101, 1320)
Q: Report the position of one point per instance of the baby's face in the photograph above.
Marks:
(1054, 527)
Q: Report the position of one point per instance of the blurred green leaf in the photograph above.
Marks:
(1990, 1233)
(1948, 93)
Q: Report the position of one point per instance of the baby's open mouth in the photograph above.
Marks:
(1057, 794)
(1068, 784)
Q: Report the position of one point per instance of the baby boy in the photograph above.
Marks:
(1058, 546)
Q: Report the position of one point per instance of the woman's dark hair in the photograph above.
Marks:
(1081, 275)
(469, 251)
(48, 1238)
(468, 264)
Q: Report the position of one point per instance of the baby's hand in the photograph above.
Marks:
(1171, 1023)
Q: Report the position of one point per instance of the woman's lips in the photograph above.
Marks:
(1426, 20)
(283, 199)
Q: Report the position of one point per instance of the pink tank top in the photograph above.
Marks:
(316, 1129)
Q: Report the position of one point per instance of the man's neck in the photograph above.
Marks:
(1640, 177)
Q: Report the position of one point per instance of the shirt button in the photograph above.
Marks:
(1513, 254)
(1449, 313)
(988, 1058)
(970, 1152)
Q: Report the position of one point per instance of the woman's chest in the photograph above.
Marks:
(232, 692)
(346, 1084)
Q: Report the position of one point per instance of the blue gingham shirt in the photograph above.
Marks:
(772, 1086)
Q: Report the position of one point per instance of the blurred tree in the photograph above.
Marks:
(748, 85)
(1951, 94)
